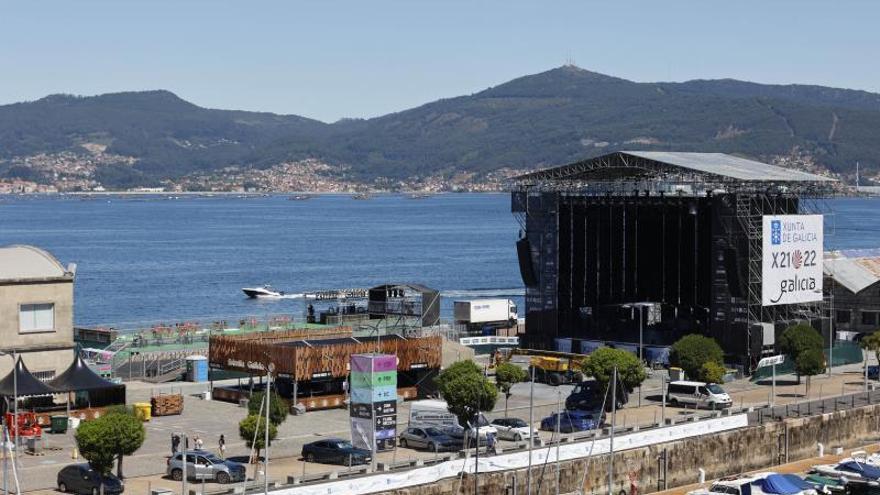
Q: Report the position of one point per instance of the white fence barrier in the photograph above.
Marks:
(519, 460)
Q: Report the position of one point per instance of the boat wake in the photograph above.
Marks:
(286, 296)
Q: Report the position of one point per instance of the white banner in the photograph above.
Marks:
(387, 482)
(792, 259)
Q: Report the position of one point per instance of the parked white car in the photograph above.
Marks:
(511, 429)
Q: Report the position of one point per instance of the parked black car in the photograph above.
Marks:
(335, 451)
(82, 479)
(587, 396)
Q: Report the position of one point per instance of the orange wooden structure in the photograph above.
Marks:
(302, 354)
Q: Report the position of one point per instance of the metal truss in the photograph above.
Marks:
(623, 174)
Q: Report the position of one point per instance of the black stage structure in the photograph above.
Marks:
(671, 238)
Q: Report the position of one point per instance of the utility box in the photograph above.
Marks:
(196, 369)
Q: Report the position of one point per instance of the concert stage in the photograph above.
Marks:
(671, 239)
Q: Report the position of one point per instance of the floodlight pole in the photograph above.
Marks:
(641, 361)
(183, 463)
(5, 465)
(831, 333)
(611, 437)
(14, 356)
(269, 369)
(663, 400)
(531, 430)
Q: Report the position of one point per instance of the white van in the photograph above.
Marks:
(424, 413)
(699, 394)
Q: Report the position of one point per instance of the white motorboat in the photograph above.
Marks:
(264, 291)
(866, 458)
(758, 484)
(849, 468)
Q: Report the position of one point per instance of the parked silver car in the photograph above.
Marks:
(203, 465)
(430, 438)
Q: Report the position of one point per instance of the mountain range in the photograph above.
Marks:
(550, 118)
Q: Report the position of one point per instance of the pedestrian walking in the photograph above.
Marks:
(175, 443)
(222, 446)
(197, 441)
(490, 443)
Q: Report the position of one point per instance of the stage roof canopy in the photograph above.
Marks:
(672, 167)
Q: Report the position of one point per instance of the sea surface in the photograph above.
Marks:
(145, 260)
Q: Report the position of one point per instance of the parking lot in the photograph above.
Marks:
(209, 419)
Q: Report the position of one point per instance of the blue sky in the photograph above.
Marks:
(329, 59)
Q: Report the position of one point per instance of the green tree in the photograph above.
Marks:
(252, 430)
(712, 372)
(601, 363)
(114, 435)
(278, 408)
(798, 339)
(91, 440)
(466, 390)
(810, 362)
(692, 351)
(506, 374)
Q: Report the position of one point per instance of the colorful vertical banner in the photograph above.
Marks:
(373, 409)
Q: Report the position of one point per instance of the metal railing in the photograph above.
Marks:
(813, 407)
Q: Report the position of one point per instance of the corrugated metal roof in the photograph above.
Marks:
(856, 273)
(28, 262)
(729, 166)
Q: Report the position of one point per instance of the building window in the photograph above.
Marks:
(843, 317)
(44, 376)
(869, 318)
(36, 318)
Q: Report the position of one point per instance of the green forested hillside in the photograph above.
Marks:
(549, 118)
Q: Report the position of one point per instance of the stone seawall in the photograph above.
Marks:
(721, 454)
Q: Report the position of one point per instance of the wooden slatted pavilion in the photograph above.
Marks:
(315, 363)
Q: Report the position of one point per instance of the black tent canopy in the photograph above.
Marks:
(79, 377)
(26, 384)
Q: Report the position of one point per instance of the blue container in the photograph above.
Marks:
(197, 369)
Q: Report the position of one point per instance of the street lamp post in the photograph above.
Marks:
(641, 323)
(831, 332)
(14, 356)
(269, 369)
(641, 361)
